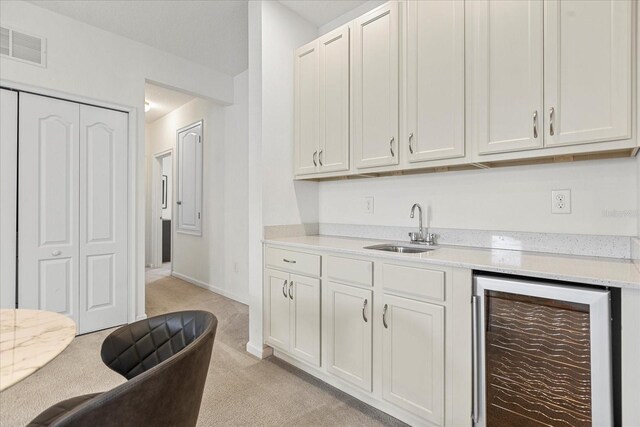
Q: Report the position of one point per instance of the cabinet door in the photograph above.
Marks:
(304, 293)
(48, 205)
(306, 109)
(587, 56)
(507, 69)
(277, 315)
(413, 357)
(348, 331)
(334, 101)
(8, 196)
(435, 86)
(103, 218)
(375, 87)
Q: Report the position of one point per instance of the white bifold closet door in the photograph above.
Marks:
(72, 211)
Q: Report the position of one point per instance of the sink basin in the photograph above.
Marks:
(401, 249)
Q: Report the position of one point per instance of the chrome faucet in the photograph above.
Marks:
(420, 237)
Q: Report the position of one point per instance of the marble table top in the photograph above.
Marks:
(29, 339)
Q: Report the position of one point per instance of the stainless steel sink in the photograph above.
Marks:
(401, 249)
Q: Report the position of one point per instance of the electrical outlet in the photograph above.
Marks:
(368, 204)
(561, 201)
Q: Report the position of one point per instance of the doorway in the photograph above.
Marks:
(162, 201)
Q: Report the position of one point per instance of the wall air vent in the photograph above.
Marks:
(23, 47)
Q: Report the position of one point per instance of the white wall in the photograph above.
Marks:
(507, 199)
(85, 61)
(197, 258)
(236, 191)
(350, 16)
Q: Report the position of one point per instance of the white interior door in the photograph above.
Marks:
(375, 87)
(508, 69)
(48, 205)
(103, 218)
(8, 192)
(587, 55)
(189, 201)
(435, 73)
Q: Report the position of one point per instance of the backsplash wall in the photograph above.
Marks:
(604, 198)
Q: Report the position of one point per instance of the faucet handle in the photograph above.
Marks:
(431, 238)
(414, 236)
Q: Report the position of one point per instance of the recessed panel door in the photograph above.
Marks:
(306, 109)
(190, 180)
(277, 292)
(304, 295)
(103, 218)
(48, 205)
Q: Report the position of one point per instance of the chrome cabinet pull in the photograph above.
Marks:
(535, 124)
(474, 356)
(320, 157)
(410, 143)
(290, 261)
(364, 307)
(314, 158)
(391, 146)
(384, 316)
(290, 290)
(284, 288)
(551, 119)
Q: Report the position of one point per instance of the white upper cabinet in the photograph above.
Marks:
(190, 180)
(306, 109)
(333, 154)
(375, 87)
(508, 72)
(435, 80)
(587, 63)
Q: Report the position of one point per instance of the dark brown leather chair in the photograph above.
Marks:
(165, 359)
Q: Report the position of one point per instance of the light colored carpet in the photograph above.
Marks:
(240, 389)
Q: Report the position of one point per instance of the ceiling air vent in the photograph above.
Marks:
(22, 47)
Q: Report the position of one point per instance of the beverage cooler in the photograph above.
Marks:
(542, 354)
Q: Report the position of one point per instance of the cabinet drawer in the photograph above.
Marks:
(420, 282)
(297, 262)
(347, 270)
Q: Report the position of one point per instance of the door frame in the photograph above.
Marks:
(156, 211)
(135, 175)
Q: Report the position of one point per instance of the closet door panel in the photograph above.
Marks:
(48, 205)
(8, 191)
(103, 218)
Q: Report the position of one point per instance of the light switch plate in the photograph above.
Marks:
(561, 201)
(368, 204)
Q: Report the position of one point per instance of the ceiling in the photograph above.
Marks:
(213, 33)
(162, 101)
(321, 12)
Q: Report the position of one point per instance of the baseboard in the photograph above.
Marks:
(211, 288)
(260, 352)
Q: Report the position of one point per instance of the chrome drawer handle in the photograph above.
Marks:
(535, 124)
(284, 287)
(291, 289)
(551, 119)
(410, 142)
(364, 307)
(290, 261)
(384, 316)
(314, 158)
(391, 146)
(320, 157)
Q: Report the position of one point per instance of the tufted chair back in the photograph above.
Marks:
(165, 359)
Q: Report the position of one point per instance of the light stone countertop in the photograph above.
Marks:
(579, 269)
(29, 339)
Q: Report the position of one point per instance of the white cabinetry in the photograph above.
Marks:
(375, 87)
(507, 63)
(587, 71)
(435, 80)
(293, 304)
(322, 130)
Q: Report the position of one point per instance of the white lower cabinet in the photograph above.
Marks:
(413, 356)
(348, 323)
(293, 314)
